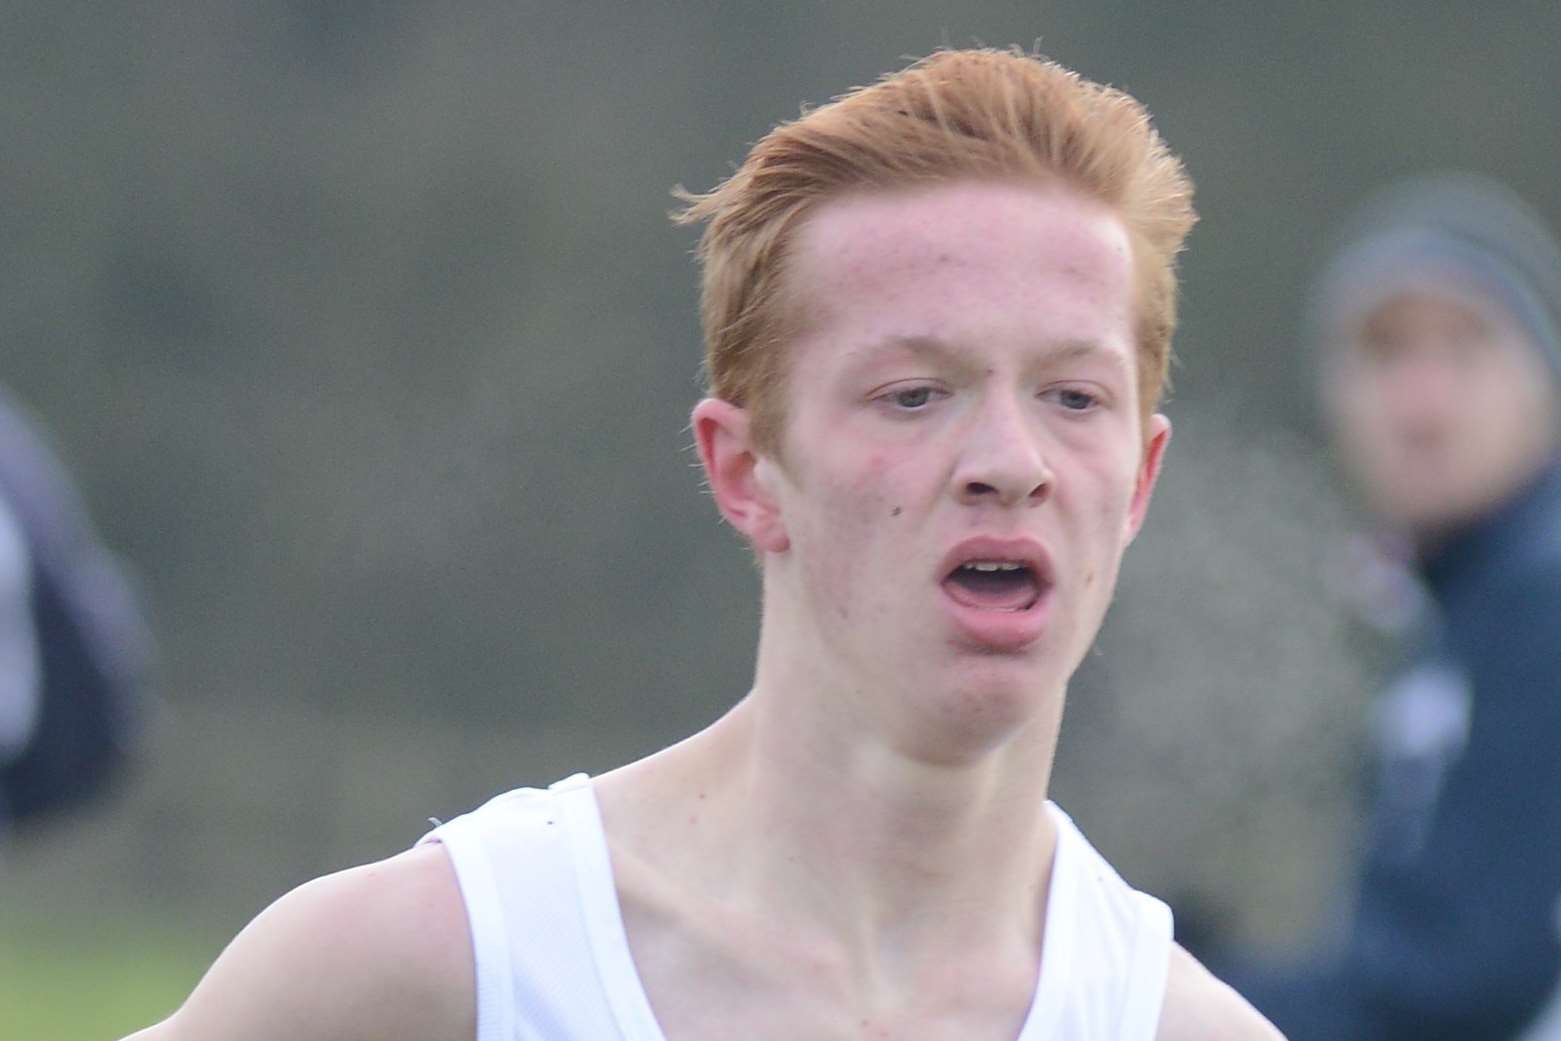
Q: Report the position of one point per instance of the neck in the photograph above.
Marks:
(887, 858)
(1443, 553)
(898, 845)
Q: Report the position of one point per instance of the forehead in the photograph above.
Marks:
(1429, 315)
(988, 260)
(1429, 307)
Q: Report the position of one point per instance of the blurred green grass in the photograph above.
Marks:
(72, 978)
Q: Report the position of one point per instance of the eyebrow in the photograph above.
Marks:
(1059, 352)
(1088, 350)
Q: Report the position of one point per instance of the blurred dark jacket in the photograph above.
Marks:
(89, 645)
(1454, 932)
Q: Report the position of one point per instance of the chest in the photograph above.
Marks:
(730, 976)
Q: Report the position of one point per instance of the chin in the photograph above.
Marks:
(1437, 517)
(988, 702)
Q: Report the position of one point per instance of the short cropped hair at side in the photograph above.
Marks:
(982, 113)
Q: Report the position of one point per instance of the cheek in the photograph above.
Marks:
(1357, 403)
(856, 532)
(1115, 480)
(870, 490)
(1109, 533)
(1363, 439)
(831, 535)
(1107, 488)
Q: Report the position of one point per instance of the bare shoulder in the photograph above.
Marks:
(1198, 1007)
(381, 950)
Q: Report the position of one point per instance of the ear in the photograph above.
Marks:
(732, 469)
(1158, 430)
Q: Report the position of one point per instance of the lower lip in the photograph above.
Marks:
(997, 630)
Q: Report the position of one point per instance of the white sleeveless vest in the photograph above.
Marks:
(553, 961)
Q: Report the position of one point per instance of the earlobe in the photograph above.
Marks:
(733, 466)
(1158, 435)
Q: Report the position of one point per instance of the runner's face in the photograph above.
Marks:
(963, 457)
(1440, 408)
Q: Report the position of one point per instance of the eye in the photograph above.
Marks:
(1073, 399)
(909, 397)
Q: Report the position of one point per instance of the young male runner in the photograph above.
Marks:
(938, 315)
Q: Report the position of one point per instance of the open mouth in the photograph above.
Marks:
(994, 585)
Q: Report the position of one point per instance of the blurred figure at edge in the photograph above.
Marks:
(1437, 326)
(73, 644)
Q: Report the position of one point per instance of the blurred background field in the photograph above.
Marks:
(365, 332)
(135, 968)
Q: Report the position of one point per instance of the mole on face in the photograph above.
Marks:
(895, 512)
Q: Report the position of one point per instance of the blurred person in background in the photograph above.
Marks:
(73, 644)
(1437, 324)
(938, 315)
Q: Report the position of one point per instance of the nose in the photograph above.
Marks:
(1003, 461)
(1419, 390)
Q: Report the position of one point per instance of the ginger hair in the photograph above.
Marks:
(956, 114)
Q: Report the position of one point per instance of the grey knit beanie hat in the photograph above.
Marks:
(1461, 228)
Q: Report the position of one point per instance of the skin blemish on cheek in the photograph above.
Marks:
(894, 512)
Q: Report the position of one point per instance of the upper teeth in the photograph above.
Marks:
(994, 565)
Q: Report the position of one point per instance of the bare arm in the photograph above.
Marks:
(1198, 1007)
(376, 951)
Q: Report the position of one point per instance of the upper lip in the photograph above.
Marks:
(1020, 550)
